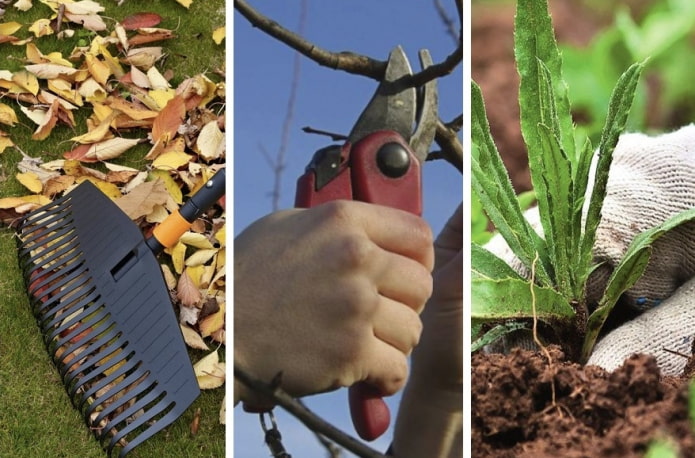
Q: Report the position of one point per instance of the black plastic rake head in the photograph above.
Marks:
(100, 300)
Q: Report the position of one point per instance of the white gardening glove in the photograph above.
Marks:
(650, 180)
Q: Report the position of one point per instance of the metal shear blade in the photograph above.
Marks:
(395, 108)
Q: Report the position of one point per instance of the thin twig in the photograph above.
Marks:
(448, 22)
(535, 328)
(335, 137)
(311, 420)
(447, 139)
(350, 62)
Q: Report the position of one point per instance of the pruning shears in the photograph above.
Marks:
(380, 163)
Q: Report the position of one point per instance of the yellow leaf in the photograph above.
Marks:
(196, 240)
(156, 80)
(98, 69)
(8, 28)
(92, 91)
(172, 160)
(212, 323)
(144, 57)
(209, 371)
(111, 62)
(195, 273)
(170, 184)
(27, 81)
(48, 122)
(110, 189)
(99, 132)
(218, 35)
(200, 257)
(30, 181)
(65, 90)
(185, 3)
(14, 202)
(210, 142)
(178, 254)
(111, 148)
(5, 142)
(7, 115)
(192, 338)
(41, 28)
(221, 235)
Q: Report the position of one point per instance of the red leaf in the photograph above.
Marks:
(80, 154)
(139, 20)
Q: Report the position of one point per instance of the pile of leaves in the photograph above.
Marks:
(133, 114)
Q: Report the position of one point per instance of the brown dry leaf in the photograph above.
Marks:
(57, 185)
(141, 200)
(79, 153)
(30, 181)
(137, 112)
(91, 22)
(111, 148)
(187, 292)
(192, 338)
(144, 57)
(48, 123)
(168, 120)
(140, 20)
(209, 371)
(170, 183)
(212, 323)
(220, 336)
(150, 35)
(50, 71)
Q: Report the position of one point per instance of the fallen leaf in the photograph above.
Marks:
(187, 292)
(171, 186)
(91, 22)
(30, 181)
(5, 141)
(209, 371)
(212, 323)
(26, 80)
(98, 133)
(41, 28)
(200, 257)
(50, 71)
(192, 338)
(144, 57)
(23, 5)
(218, 35)
(140, 20)
(168, 120)
(111, 148)
(223, 411)
(7, 115)
(98, 69)
(185, 3)
(107, 188)
(178, 254)
(172, 161)
(9, 28)
(210, 143)
(196, 241)
(140, 201)
(145, 36)
(50, 118)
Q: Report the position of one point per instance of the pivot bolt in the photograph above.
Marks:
(393, 160)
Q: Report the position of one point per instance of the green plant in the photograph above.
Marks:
(561, 262)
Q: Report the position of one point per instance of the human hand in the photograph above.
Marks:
(434, 394)
(650, 180)
(330, 296)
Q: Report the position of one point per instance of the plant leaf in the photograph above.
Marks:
(628, 271)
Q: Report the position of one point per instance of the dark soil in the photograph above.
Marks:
(524, 405)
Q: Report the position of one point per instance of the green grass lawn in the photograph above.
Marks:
(36, 416)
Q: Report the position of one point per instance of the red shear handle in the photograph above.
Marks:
(381, 169)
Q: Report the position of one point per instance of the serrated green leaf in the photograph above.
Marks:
(618, 110)
(486, 264)
(510, 298)
(491, 183)
(496, 333)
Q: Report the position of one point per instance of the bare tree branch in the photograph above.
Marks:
(448, 22)
(447, 139)
(311, 420)
(347, 61)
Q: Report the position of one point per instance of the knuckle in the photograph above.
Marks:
(355, 252)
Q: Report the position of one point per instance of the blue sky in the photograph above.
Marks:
(327, 100)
